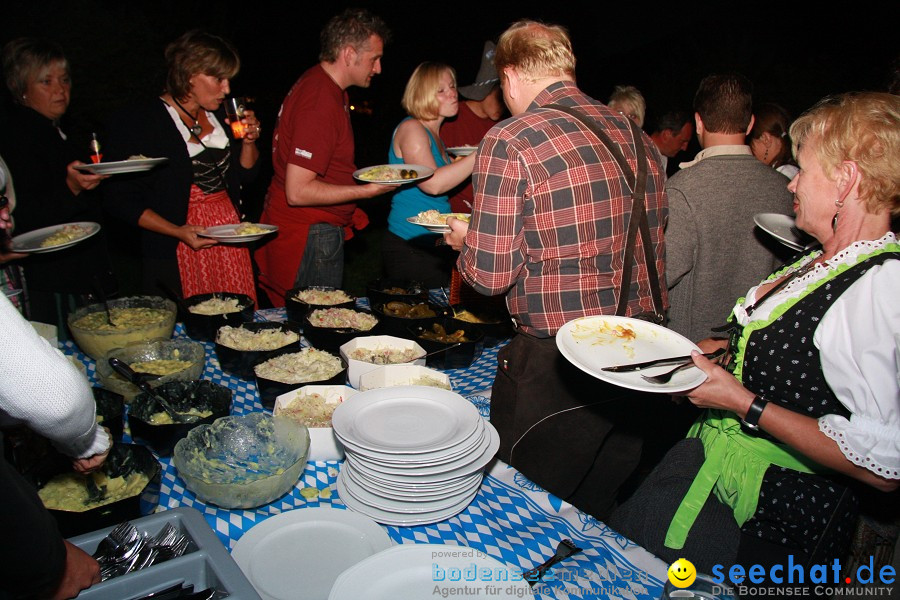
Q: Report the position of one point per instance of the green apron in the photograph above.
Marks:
(735, 461)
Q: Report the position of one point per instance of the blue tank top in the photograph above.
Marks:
(410, 200)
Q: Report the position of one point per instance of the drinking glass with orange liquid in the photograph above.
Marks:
(234, 110)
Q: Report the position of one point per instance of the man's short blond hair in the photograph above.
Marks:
(861, 127)
(535, 50)
(420, 96)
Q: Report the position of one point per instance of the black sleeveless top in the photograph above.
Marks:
(210, 168)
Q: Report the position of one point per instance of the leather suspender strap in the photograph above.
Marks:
(638, 220)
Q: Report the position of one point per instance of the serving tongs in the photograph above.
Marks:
(128, 373)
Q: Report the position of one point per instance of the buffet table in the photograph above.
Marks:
(511, 519)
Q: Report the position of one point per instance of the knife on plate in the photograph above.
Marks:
(659, 362)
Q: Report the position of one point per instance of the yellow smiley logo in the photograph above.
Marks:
(682, 573)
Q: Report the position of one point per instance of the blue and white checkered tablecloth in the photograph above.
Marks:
(511, 518)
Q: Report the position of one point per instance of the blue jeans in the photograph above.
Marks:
(323, 258)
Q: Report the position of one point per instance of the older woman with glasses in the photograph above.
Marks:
(49, 190)
(808, 408)
(200, 185)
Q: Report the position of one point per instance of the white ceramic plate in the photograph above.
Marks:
(226, 234)
(406, 419)
(408, 571)
(122, 166)
(462, 150)
(399, 519)
(432, 468)
(439, 228)
(397, 492)
(591, 343)
(404, 506)
(437, 474)
(393, 173)
(306, 549)
(373, 481)
(781, 227)
(423, 458)
(31, 242)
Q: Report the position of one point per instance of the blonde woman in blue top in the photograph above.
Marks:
(410, 251)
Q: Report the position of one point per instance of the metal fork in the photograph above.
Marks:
(663, 378)
(126, 562)
(114, 547)
(564, 550)
(166, 536)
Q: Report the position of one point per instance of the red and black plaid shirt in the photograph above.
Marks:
(551, 212)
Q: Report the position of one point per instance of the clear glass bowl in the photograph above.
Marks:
(184, 350)
(96, 342)
(243, 461)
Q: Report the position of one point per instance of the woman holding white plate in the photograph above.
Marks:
(409, 251)
(199, 187)
(50, 191)
(808, 409)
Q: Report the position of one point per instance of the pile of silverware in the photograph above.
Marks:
(125, 549)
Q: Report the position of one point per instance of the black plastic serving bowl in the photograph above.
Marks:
(496, 326)
(240, 362)
(183, 396)
(122, 459)
(297, 309)
(400, 326)
(204, 327)
(110, 407)
(415, 291)
(458, 357)
(269, 389)
(331, 339)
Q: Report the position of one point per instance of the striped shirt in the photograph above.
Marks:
(551, 213)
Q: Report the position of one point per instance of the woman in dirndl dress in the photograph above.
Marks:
(199, 187)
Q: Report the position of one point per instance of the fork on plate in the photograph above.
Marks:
(664, 378)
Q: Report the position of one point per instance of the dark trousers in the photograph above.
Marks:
(417, 260)
(715, 538)
(570, 433)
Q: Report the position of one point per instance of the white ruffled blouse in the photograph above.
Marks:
(217, 138)
(859, 345)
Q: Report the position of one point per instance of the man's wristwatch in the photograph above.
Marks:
(751, 421)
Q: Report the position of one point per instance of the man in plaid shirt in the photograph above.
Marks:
(548, 229)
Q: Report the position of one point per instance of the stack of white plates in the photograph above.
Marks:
(414, 454)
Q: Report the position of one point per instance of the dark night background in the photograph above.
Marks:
(794, 53)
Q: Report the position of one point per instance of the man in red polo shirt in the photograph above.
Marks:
(312, 197)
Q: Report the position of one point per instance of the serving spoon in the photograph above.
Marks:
(122, 368)
(433, 352)
(98, 287)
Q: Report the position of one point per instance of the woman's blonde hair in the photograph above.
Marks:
(536, 51)
(24, 59)
(861, 127)
(629, 101)
(420, 96)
